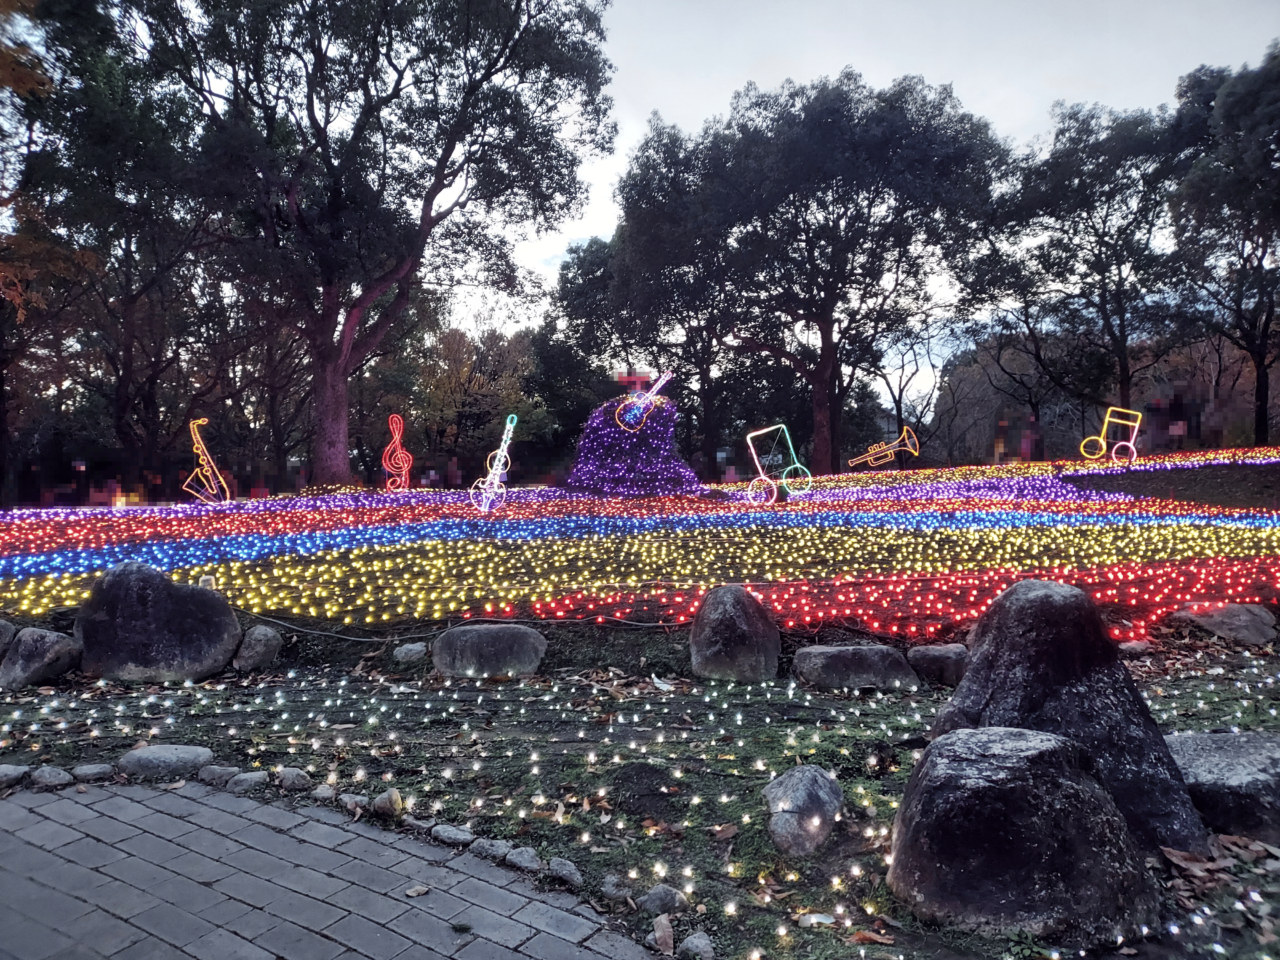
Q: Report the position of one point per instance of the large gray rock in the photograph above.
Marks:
(37, 655)
(93, 772)
(488, 650)
(1003, 831)
(291, 778)
(566, 871)
(491, 849)
(1041, 661)
(51, 778)
(453, 836)
(7, 632)
(942, 664)
(216, 776)
(1248, 623)
(696, 946)
(247, 781)
(803, 804)
(388, 804)
(11, 774)
(524, 858)
(168, 761)
(734, 637)
(408, 653)
(139, 625)
(841, 668)
(1234, 781)
(662, 899)
(258, 650)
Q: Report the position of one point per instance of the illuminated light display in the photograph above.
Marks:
(489, 492)
(616, 462)
(634, 411)
(910, 553)
(205, 482)
(793, 477)
(881, 453)
(396, 460)
(1126, 422)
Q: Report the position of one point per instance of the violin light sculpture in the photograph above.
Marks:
(396, 460)
(205, 481)
(488, 493)
(634, 411)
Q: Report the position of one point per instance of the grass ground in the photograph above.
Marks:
(617, 760)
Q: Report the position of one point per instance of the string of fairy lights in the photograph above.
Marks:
(904, 552)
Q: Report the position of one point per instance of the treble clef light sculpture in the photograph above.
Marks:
(634, 411)
(205, 481)
(396, 460)
(488, 493)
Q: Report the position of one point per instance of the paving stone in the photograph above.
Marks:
(367, 938)
(290, 941)
(372, 851)
(14, 817)
(320, 833)
(434, 875)
(192, 791)
(89, 852)
(330, 816)
(105, 933)
(221, 821)
(366, 903)
(108, 829)
(208, 843)
(133, 791)
(429, 931)
(189, 894)
(91, 794)
(31, 940)
(248, 888)
(163, 825)
(440, 904)
(49, 835)
(425, 851)
(175, 806)
(69, 877)
(617, 947)
(172, 924)
(552, 920)
(68, 812)
(483, 869)
(275, 817)
(367, 875)
(151, 849)
(256, 862)
(225, 945)
(33, 798)
(150, 948)
(200, 868)
(25, 858)
(310, 882)
(487, 895)
(76, 951)
(230, 804)
(546, 947)
(484, 950)
(304, 911)
(122, 808)
(415, 952)
(227, 912)
(120, 899)
(491, 926)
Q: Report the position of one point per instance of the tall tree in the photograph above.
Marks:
(842, 204)
(365, 142)
(1228, 213)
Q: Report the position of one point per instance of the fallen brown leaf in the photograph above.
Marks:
(176, 785)
(868, 936)
(724, 831)
(664, 935)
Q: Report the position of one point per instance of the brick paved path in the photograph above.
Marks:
(134, 873)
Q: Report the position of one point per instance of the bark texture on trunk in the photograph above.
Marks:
(331, 459)
(1261, 401)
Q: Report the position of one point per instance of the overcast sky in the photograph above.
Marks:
(1007, 60)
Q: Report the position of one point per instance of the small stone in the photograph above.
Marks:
(36, 656)
(353, 801)
(565, 871)
(10, 774)
(838, 668)
(292, 778)
(413, 823)
(803, 803)
(7, 632)
(1250, 624)
(696, 946)
(613, 887)
(258, 650)
(92, 772)
(324, 792)
(1132, 649)
(215, 776)
(169, 761)
(244, 782)
(662, 899)
(51, 778)
(451, 835)
(388, 804)
(524, 858)
(491, 849)
(488, 650)
(408, 653)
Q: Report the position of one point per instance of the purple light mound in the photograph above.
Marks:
(615, 463)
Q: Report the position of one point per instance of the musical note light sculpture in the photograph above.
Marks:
(1093, 448)
(205, 481)
(632, 414)
(794, 478)
(879, 453)
(488, 492)
(396, 460)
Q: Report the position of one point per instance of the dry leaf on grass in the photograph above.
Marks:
(724, 831)
(664, 935)
(868, 936)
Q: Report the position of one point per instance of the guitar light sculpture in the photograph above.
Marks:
(488, 493)
(205, 481)
(396, 460)
(632, 414)
(1093, 448)
(794, 477)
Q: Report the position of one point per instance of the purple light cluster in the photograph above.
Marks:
(615, 463)
(1000, 488)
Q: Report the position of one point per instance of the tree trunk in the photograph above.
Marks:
(825, 414)
(331, 448)
(1261, 400)
(5, 472)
